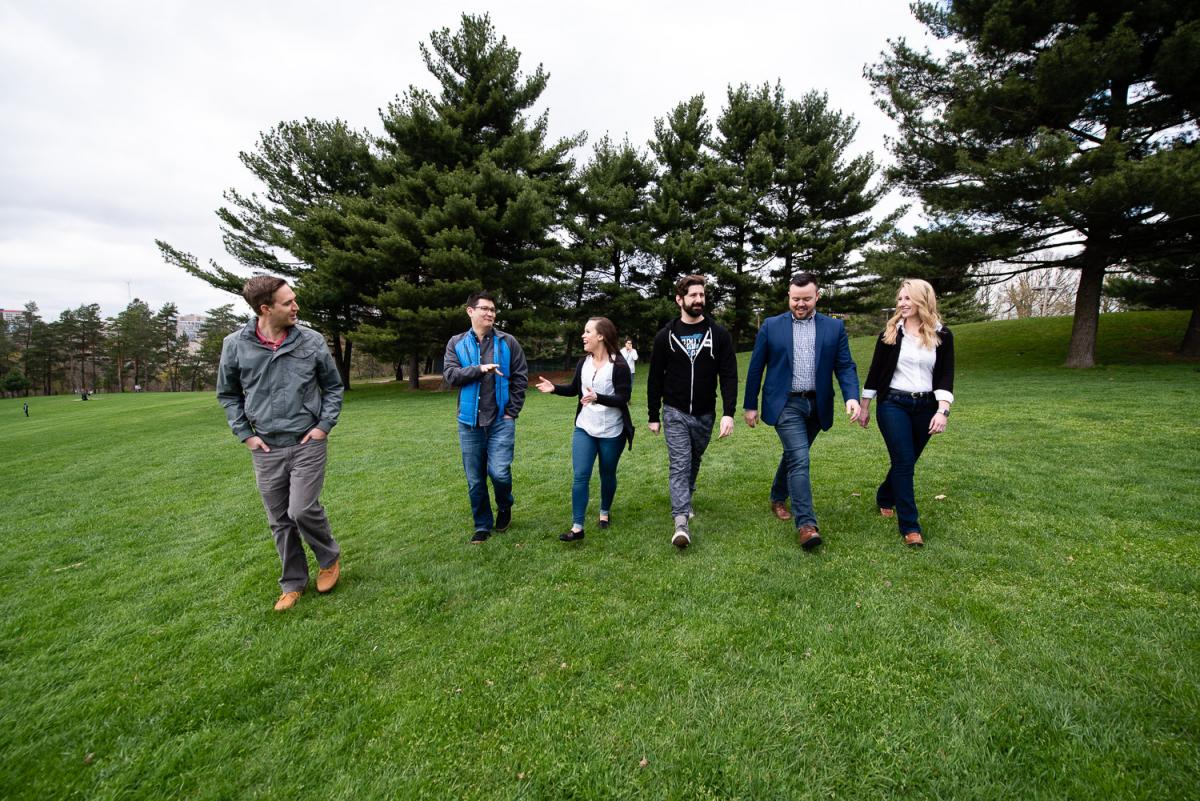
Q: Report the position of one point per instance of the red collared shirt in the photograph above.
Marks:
(273, 345)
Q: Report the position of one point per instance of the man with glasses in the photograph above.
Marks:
(488, 366)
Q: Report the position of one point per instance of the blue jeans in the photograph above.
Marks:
(584, 450)
(797, 427)
(487, 451)
(904, 423)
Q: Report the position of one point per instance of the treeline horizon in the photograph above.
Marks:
(1019, 165)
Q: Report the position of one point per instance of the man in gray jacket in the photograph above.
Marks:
(282, 394)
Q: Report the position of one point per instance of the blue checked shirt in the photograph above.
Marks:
(804, 354)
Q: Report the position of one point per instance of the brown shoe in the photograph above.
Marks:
(913, 539)
(808, 536)
(327, 577)
(287, 600)
(886, 511)
(780, 508)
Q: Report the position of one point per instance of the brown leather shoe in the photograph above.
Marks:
(886, 511)
(287, 600)
(913, 539)
(808, 536)
(780, 508)
(327, 577)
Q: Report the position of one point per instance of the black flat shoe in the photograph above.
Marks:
(604, 523)
(571, 535)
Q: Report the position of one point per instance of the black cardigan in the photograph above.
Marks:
(622, 384)
(883, 363)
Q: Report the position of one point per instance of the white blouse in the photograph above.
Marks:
(914, 370)
(602, 422)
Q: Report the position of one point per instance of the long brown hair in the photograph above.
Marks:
(608, 332)
(925, 301)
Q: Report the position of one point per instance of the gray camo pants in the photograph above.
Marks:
(290, 481)
(687, 437)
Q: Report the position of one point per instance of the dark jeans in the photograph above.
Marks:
(797, 427)
(487, 452)
(584, 450)
(904, 423)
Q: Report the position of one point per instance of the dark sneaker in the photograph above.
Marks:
(480, 536)
(571, 535)
(503, 519)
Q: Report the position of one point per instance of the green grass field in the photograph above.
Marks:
(1044, 644)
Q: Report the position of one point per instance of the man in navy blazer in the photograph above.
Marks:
(801, 351)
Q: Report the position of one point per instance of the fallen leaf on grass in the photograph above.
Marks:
(887, 583)
(87, 760)
(856, 494)
(563, 666)
(521, 776)
(939, 497)
(858, 605)
(491, 683)
(69, 567)
(643, 763)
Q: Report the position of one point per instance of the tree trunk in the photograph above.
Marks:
(414, 371)
(1190, 347)
(1081, 352)
(398, 371)
(341, 357)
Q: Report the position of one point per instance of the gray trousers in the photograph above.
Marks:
(686, 437)
(290, 481)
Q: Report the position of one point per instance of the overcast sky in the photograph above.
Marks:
(121, 122)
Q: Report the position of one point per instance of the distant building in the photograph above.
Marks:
(12, 316)
(189, 326)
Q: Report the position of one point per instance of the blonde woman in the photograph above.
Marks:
(912, 371)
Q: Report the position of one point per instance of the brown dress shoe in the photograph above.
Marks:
(328, 576)
(808, 536)
(287, 600)
(913, 539)
(886, 511)
(780, 508)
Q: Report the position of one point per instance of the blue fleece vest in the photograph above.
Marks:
(467, 351)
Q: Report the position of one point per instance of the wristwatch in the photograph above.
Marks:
(944, 411)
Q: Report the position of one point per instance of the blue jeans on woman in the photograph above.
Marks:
(584, 450)
(904, 423)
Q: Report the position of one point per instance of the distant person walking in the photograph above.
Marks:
(690, 355)
(26, 406)
(603, 426)
(282, 395)
(630, 354)
(801, 352)
(488, 367)
(912, 372)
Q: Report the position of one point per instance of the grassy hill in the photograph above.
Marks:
(1044, 644)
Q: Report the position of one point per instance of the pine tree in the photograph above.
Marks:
(1052, 126)
(474, 198)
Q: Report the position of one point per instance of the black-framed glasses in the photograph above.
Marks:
(485, 309)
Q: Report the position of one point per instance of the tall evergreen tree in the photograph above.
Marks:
(751, 133)
(313, 226)
(682, 209)
(475, 197)
(1050, 125)
(819, 213)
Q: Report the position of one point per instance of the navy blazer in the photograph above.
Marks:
(773, 351)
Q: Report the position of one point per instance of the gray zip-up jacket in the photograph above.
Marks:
(279, 395)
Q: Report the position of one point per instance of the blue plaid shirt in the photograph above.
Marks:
(804, 354)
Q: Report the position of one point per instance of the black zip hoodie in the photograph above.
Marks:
(686, 378)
